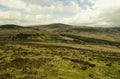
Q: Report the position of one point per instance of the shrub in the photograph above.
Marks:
(109, 64)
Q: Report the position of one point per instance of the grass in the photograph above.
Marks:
(35, 55)
(49, 61)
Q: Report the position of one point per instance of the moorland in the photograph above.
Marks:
(59, 51)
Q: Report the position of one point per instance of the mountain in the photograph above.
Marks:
(10, 26)
(56, 27)
(59, 27)
(14, 29)
(52, 26)
(111, 33)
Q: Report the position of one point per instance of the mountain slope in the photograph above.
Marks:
(106, 33)
(71, 28)
(10, 26)
(14, 29)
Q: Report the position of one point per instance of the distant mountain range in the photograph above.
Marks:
(58, 27)
(105, 33)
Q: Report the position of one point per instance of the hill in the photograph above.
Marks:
(59, 51)
(59, 26)
(111, 33)
(13, 29)
(10, 26)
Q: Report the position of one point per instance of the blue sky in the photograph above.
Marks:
(2, 7)
(67, 3)
(76, 12)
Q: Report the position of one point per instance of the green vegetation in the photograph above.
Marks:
(35, 53)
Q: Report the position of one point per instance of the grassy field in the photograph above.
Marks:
(29, 53)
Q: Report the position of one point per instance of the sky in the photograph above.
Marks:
(75, 12)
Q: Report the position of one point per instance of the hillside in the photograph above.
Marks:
(70, 28)
(111, 33)
(15, 29)
(10, 26)
(59, 51)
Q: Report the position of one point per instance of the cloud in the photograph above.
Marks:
(80, 12)
(103, 12)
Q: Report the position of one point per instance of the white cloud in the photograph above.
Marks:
(103, 12)
(82, 1)
(27, 12)
(9, 15)
(14, 4)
